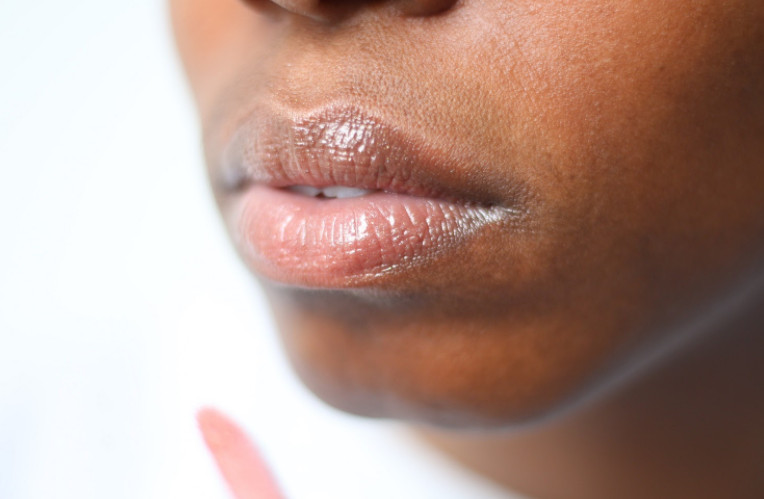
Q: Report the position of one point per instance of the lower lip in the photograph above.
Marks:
(340, 243)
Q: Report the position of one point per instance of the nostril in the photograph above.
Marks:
(425, 7)
(329, 10)
(318, 10)
(303, 7)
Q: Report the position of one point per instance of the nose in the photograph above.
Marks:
(328, 10)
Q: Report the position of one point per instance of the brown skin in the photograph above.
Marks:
(633, 131)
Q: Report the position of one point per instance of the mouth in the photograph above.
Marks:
(338, 198)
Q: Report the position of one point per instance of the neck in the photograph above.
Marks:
(691, 427)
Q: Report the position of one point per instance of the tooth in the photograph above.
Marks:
(305, 190)
(340, 192)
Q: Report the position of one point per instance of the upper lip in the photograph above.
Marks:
(346, 146)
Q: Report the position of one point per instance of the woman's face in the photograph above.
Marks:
(530, 193)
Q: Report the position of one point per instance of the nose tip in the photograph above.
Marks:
(326, 10)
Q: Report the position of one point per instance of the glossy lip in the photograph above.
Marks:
(424, 203)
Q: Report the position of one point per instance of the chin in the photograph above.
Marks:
(380, 359)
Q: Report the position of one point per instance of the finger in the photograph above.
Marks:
(237, 458)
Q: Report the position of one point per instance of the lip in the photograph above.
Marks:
(424, 203)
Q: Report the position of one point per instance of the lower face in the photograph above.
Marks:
(539, 192)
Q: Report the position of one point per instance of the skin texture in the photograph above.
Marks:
(630, 135)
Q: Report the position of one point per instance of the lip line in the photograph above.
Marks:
(340, 145)
(432, 203)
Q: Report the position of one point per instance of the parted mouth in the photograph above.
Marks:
(342, 152)
(334, 198)
(329, 192)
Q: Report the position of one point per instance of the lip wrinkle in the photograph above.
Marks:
(416, 213)
(343, 146)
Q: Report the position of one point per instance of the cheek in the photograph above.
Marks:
(643, 129)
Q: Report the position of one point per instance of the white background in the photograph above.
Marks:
(122, 308)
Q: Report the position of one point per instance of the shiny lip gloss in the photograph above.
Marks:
(336, 197)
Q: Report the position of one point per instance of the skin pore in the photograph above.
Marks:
(619, 145)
